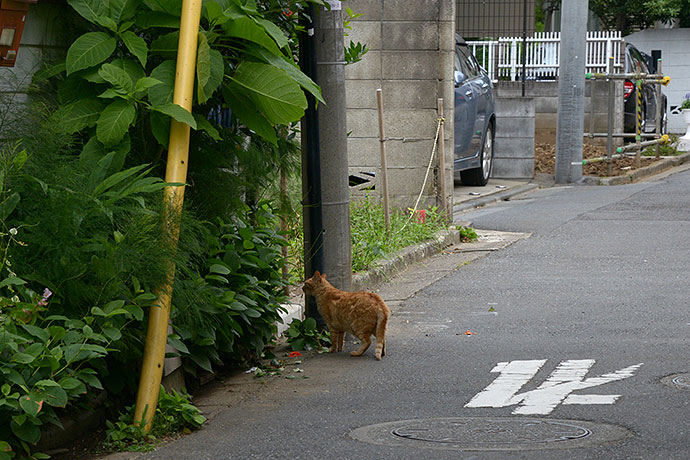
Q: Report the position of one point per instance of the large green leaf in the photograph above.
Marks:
(160, 127)
(177, 112)
(27, 431)
(278, 97)
(247, 29)
(115, 121)
(136, 45)
(132, 67)
(210, 70)
(88, 50)
(157, 19)
(245, 111)
(274, 31)
(163, 94)
(55, 396)
(166, 45)
(289, 67)
(122, 10)
(31, 403)
(204, 125)
(94, 150)
(173, 7)
(78, 115)
(117, 77)
(91, 10)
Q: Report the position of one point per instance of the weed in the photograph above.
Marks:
(174, 413)
(467, 234)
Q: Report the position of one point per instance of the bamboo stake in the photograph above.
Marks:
(442, 157)
(176, 172)
(384, 172)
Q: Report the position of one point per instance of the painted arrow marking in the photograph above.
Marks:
(569, 376)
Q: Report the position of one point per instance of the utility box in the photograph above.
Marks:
(12, 18)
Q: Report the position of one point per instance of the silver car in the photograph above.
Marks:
(474, 121)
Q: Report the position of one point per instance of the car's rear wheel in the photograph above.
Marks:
(480, 175)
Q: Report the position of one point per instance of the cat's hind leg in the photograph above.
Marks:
(366, 341)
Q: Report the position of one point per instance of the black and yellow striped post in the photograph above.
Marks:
(638, 131)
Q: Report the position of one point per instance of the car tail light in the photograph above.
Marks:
(628, 89)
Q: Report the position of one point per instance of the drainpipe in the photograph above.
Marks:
(176, 172)
(311, 170)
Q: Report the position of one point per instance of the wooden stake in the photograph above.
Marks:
(442, 156)
(384, 172)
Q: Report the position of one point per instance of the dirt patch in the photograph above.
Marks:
(545, 160)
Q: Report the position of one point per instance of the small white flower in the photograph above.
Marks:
(13, 231)
(15, 299)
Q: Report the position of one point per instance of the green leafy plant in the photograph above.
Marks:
(467, 234)
(174, 413)
(244, 286)
(305, 335)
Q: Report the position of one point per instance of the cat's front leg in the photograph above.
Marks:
(336, 341)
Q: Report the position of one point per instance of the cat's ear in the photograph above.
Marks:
(317, 274)
(323, 276)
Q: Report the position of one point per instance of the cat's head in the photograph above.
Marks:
(312, 284)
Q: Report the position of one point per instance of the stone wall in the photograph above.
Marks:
(411, 46)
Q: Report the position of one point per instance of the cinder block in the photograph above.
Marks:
(410, 36)
(410, 65)
(408, 182)
(371, 10)
(518, 147)
(414, 153)
(446, 34)
(510, 127)
(514, 107)
(409, 94)
(367, 33)
(411, 10)
(513, 169)
(543, 104)
(410, 124)
(363, 152)
(361, 94)
(363, 122)
(369, 68)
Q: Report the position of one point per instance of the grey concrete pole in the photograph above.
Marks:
(571, 91)
(335, 193)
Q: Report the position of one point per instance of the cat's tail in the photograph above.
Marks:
(381, 323)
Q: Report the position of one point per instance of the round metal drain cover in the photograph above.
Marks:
(678, 381)
(481, 433)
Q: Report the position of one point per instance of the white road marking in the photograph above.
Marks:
(569, 376)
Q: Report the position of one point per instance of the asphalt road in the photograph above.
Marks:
(588, 315)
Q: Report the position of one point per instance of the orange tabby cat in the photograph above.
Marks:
(362, 314)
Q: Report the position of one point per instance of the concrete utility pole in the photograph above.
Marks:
(571, 91)
(335, 194)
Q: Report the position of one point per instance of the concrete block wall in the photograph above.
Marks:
(514, 141)
(673, 44)
(411, 46)
(545, 95)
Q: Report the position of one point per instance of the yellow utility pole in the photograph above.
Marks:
(176, 172)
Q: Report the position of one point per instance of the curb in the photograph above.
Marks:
(493, 198)
(645, 172)
(387, 268)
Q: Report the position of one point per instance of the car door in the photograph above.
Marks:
(481, 87)
(466, 141)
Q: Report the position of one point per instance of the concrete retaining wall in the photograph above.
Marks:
(411, 59)
(545, 95)
(514, 142)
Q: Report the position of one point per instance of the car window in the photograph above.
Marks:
(470, 66)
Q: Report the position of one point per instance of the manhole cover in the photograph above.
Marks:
(678, 381)
(480, 433)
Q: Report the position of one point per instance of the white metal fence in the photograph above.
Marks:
(502, 58)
